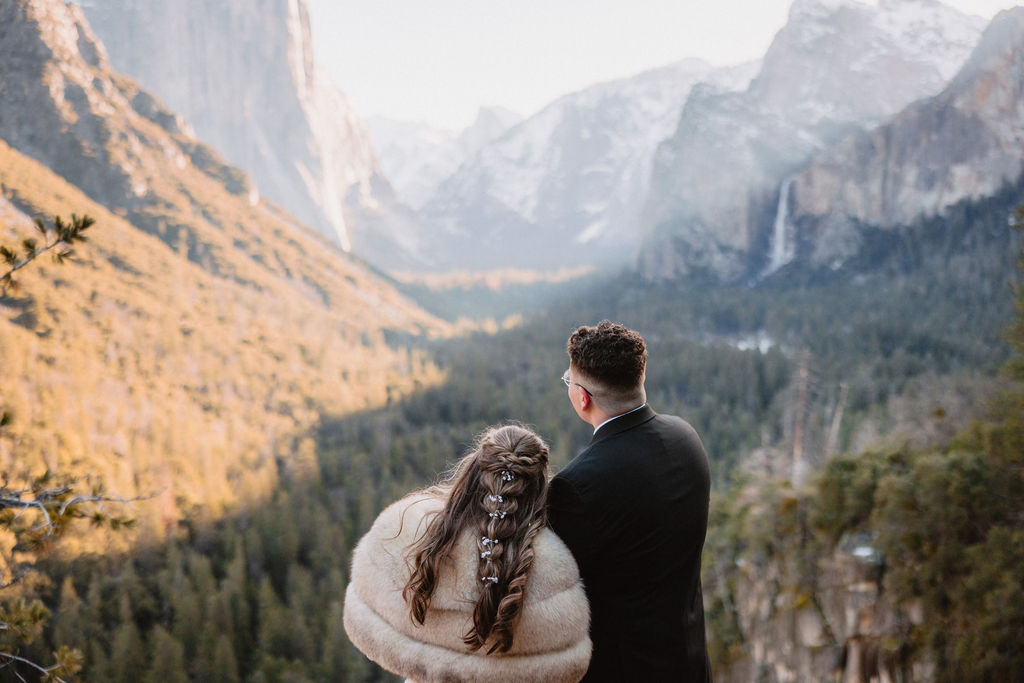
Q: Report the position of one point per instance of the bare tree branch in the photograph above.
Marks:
(46, 671)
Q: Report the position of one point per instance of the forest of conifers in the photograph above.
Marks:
(905, 345)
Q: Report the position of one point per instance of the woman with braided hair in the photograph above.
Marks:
(464, 581)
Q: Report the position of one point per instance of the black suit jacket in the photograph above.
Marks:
(633, 509)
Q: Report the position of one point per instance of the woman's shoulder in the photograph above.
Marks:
(554, 567)
(396, 528)
(406, 518)
(549, 545)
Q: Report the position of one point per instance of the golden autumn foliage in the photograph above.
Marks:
(161, 376)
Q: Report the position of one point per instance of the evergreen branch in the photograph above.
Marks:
(63, 236)
(18, 265)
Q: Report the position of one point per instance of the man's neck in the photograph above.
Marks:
(598, 418)
(605, 418)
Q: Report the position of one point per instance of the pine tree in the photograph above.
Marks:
(168, 660)
(225, 667)
(275, 628)
(128, 654)
(72, 628)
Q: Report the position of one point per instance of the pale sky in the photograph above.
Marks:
(440, 60)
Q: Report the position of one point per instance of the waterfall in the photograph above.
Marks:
(782, 249)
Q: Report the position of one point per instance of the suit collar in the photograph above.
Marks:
(623, 423)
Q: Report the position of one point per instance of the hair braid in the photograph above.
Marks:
(513, 501)
(498, 490)
(511, 604)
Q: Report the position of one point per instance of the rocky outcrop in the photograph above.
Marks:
(61, 104)
(839, 629)
(243, 75)
(565, 187)
(837, 66)
(965, 143)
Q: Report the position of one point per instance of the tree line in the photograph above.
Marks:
(256, 594)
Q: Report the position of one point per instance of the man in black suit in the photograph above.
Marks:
(633, 509)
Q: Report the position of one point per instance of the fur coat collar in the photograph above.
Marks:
(551, 641)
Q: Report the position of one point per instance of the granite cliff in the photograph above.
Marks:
(243, 75)
(965, 143)
(835, 67)
(63, 105)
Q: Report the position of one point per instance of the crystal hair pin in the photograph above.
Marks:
(484, 541)
(498, 515)
(495, 499)
(507, 476)
(492, 579)
(485, 554)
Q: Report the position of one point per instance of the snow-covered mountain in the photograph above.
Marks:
(566, 186)
(242, 73)
(835, 67)
(965, 143)
(416, 157)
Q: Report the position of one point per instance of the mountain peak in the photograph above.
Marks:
(824, 8)
(501, 114)
(1003, 36)
(490, 123)
(802, 9)
(62, 27)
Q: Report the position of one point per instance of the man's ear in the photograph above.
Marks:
(585, 399)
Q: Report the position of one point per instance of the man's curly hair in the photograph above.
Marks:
(610, 354)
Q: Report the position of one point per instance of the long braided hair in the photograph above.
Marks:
(498, 491)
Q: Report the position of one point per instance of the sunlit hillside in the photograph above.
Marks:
(135, 363)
